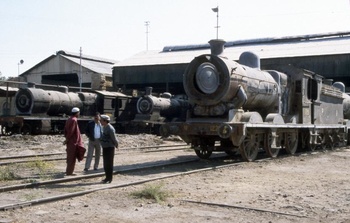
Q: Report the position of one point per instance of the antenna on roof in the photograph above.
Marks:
(147, 25)
(217, 21)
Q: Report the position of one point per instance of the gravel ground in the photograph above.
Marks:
(305, 188)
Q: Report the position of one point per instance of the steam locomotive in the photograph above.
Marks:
(40, 111)
(152, 111)
(237, 107)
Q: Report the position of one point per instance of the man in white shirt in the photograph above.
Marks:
(93, 131)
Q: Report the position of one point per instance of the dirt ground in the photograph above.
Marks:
(305, 188)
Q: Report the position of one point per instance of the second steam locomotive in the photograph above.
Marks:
(40, 111)
(237, 107)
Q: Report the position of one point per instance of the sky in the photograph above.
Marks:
(32, 30)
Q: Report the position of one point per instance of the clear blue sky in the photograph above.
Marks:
(32, 30)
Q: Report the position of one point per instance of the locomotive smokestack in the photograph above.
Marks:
(148, 91)
(31, 84)
(217, 46)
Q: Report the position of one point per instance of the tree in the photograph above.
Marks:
(1, 77)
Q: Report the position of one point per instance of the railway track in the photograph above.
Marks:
(90, 179)
(128, 175)
(7, 160)
(57, 188)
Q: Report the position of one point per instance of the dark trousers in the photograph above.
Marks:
(71, 158)
(108, 159)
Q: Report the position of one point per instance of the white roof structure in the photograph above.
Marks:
(321, 44)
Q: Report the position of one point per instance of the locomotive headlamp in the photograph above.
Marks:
(225, 131)
(207, 78)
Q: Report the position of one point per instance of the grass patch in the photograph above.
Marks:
(154, 192)
(8, 173)
(45, 169)
(30, 196)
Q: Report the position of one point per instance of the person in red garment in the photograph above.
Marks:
(73, 140)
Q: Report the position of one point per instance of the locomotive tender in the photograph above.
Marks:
(236, 107)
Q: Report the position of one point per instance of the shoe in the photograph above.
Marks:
(71, 174)
(95, 168)
(106, 181)
(86, 170)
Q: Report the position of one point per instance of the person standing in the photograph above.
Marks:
(73, 140)
(108, 142)
(93, 131)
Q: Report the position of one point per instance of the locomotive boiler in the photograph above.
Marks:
(31, 101)
(236, 106)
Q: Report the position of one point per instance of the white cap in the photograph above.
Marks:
(75, 110)
(105, 117)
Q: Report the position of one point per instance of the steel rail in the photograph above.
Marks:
(93, 175)
(138, 182)
(244, 208)
(63, 153)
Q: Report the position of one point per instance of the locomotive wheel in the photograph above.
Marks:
(328, 143)
(311, 147)
(249, 148)
(327, 146)
(272, 152)
(26, 129)
(291, 142)
(203, 154)
(6, 131)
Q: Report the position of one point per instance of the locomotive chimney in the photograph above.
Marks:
(148, 91)
(31, 85)
(217, 46)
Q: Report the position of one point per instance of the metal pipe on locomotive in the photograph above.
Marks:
(239, 107)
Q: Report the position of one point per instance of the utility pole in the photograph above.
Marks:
(81, 72)
(217, 21)
(147, 25)
(20, 63)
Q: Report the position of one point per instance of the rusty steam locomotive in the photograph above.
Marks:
(153, 111)
(236, 107)
(40, 111)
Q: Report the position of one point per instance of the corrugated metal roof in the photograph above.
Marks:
(83, 56)
(269, 48)
(95, 64)
(98, 67)
(10, 89)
